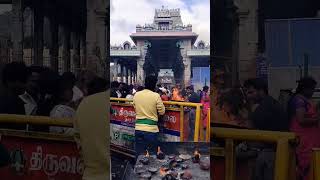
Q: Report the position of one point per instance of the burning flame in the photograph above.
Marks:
(162, 172)
(147, 154)
(196, 153)
(159, 150)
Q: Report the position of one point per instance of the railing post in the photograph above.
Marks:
(292, 162)
(282, 160)
(315, 165)
(197, 124)
(181, 123)
(230, 160)
(208, 127)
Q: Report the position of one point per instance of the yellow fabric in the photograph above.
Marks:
(147, 105)
(92, 126)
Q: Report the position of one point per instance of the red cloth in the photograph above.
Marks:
(164, 98)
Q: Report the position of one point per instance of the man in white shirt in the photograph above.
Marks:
(32, 93)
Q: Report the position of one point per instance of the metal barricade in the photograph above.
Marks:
(198, 130)
(37, 155)
(285, 155)
(315, 165)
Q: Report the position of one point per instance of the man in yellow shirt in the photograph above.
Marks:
(92, 127)
(148, 105)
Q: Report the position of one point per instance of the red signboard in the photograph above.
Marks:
(41, 159)
(126, 116)
(171, 120)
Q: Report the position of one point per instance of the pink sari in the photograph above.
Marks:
(309, 136)
(205, 101)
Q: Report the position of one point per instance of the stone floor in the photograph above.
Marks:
(194, 168)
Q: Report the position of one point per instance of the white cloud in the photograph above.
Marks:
(126, 14)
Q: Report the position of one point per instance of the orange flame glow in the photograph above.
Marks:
(162, 172)
(196, 153)
(159, 150)
(147, 154)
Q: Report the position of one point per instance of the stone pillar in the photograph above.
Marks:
(124, 74)
(119, 72)
(65, 48)
(83, 51)
(187, 72)
(76, 52)
(54, 47)
(132, 77)
(38, 35)
(115, 70)
(135, 77)
(129, 76)
(96, 37)
(248, 39)
(17, 30)
(185, 46)
(140, 72)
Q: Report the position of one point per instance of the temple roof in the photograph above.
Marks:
(165, 35)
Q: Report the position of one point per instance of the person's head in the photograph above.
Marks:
(69, 77)
(84, 78)
(306, 87)
(65, 92)
(205, 89)
(97, 85)
(49, 81)
(150, 82)
(140, 88)
(33, 81)
(232, 101)
(190, 89)
(256, 89)
(114, 85)
(14, 77)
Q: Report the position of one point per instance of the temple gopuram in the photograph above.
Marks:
(166, 48)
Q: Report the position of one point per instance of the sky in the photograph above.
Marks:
(5, 8)
(126, 14)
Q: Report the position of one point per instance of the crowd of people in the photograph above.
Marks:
(175, 93)
(40, 91)
(250, 106)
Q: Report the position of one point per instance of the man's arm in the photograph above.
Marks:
(160, 106)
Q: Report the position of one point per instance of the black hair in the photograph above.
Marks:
(306, 83)
(150, 82)
(256, 83)
(140, 88)
(69, 77)
(15, 72)
(235, 98)
(205, 88)
(114, 84)
(49, 81)
(190, 88)
(62, 87)
(97, 85)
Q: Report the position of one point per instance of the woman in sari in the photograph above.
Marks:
(205, 101)
(305, 124)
